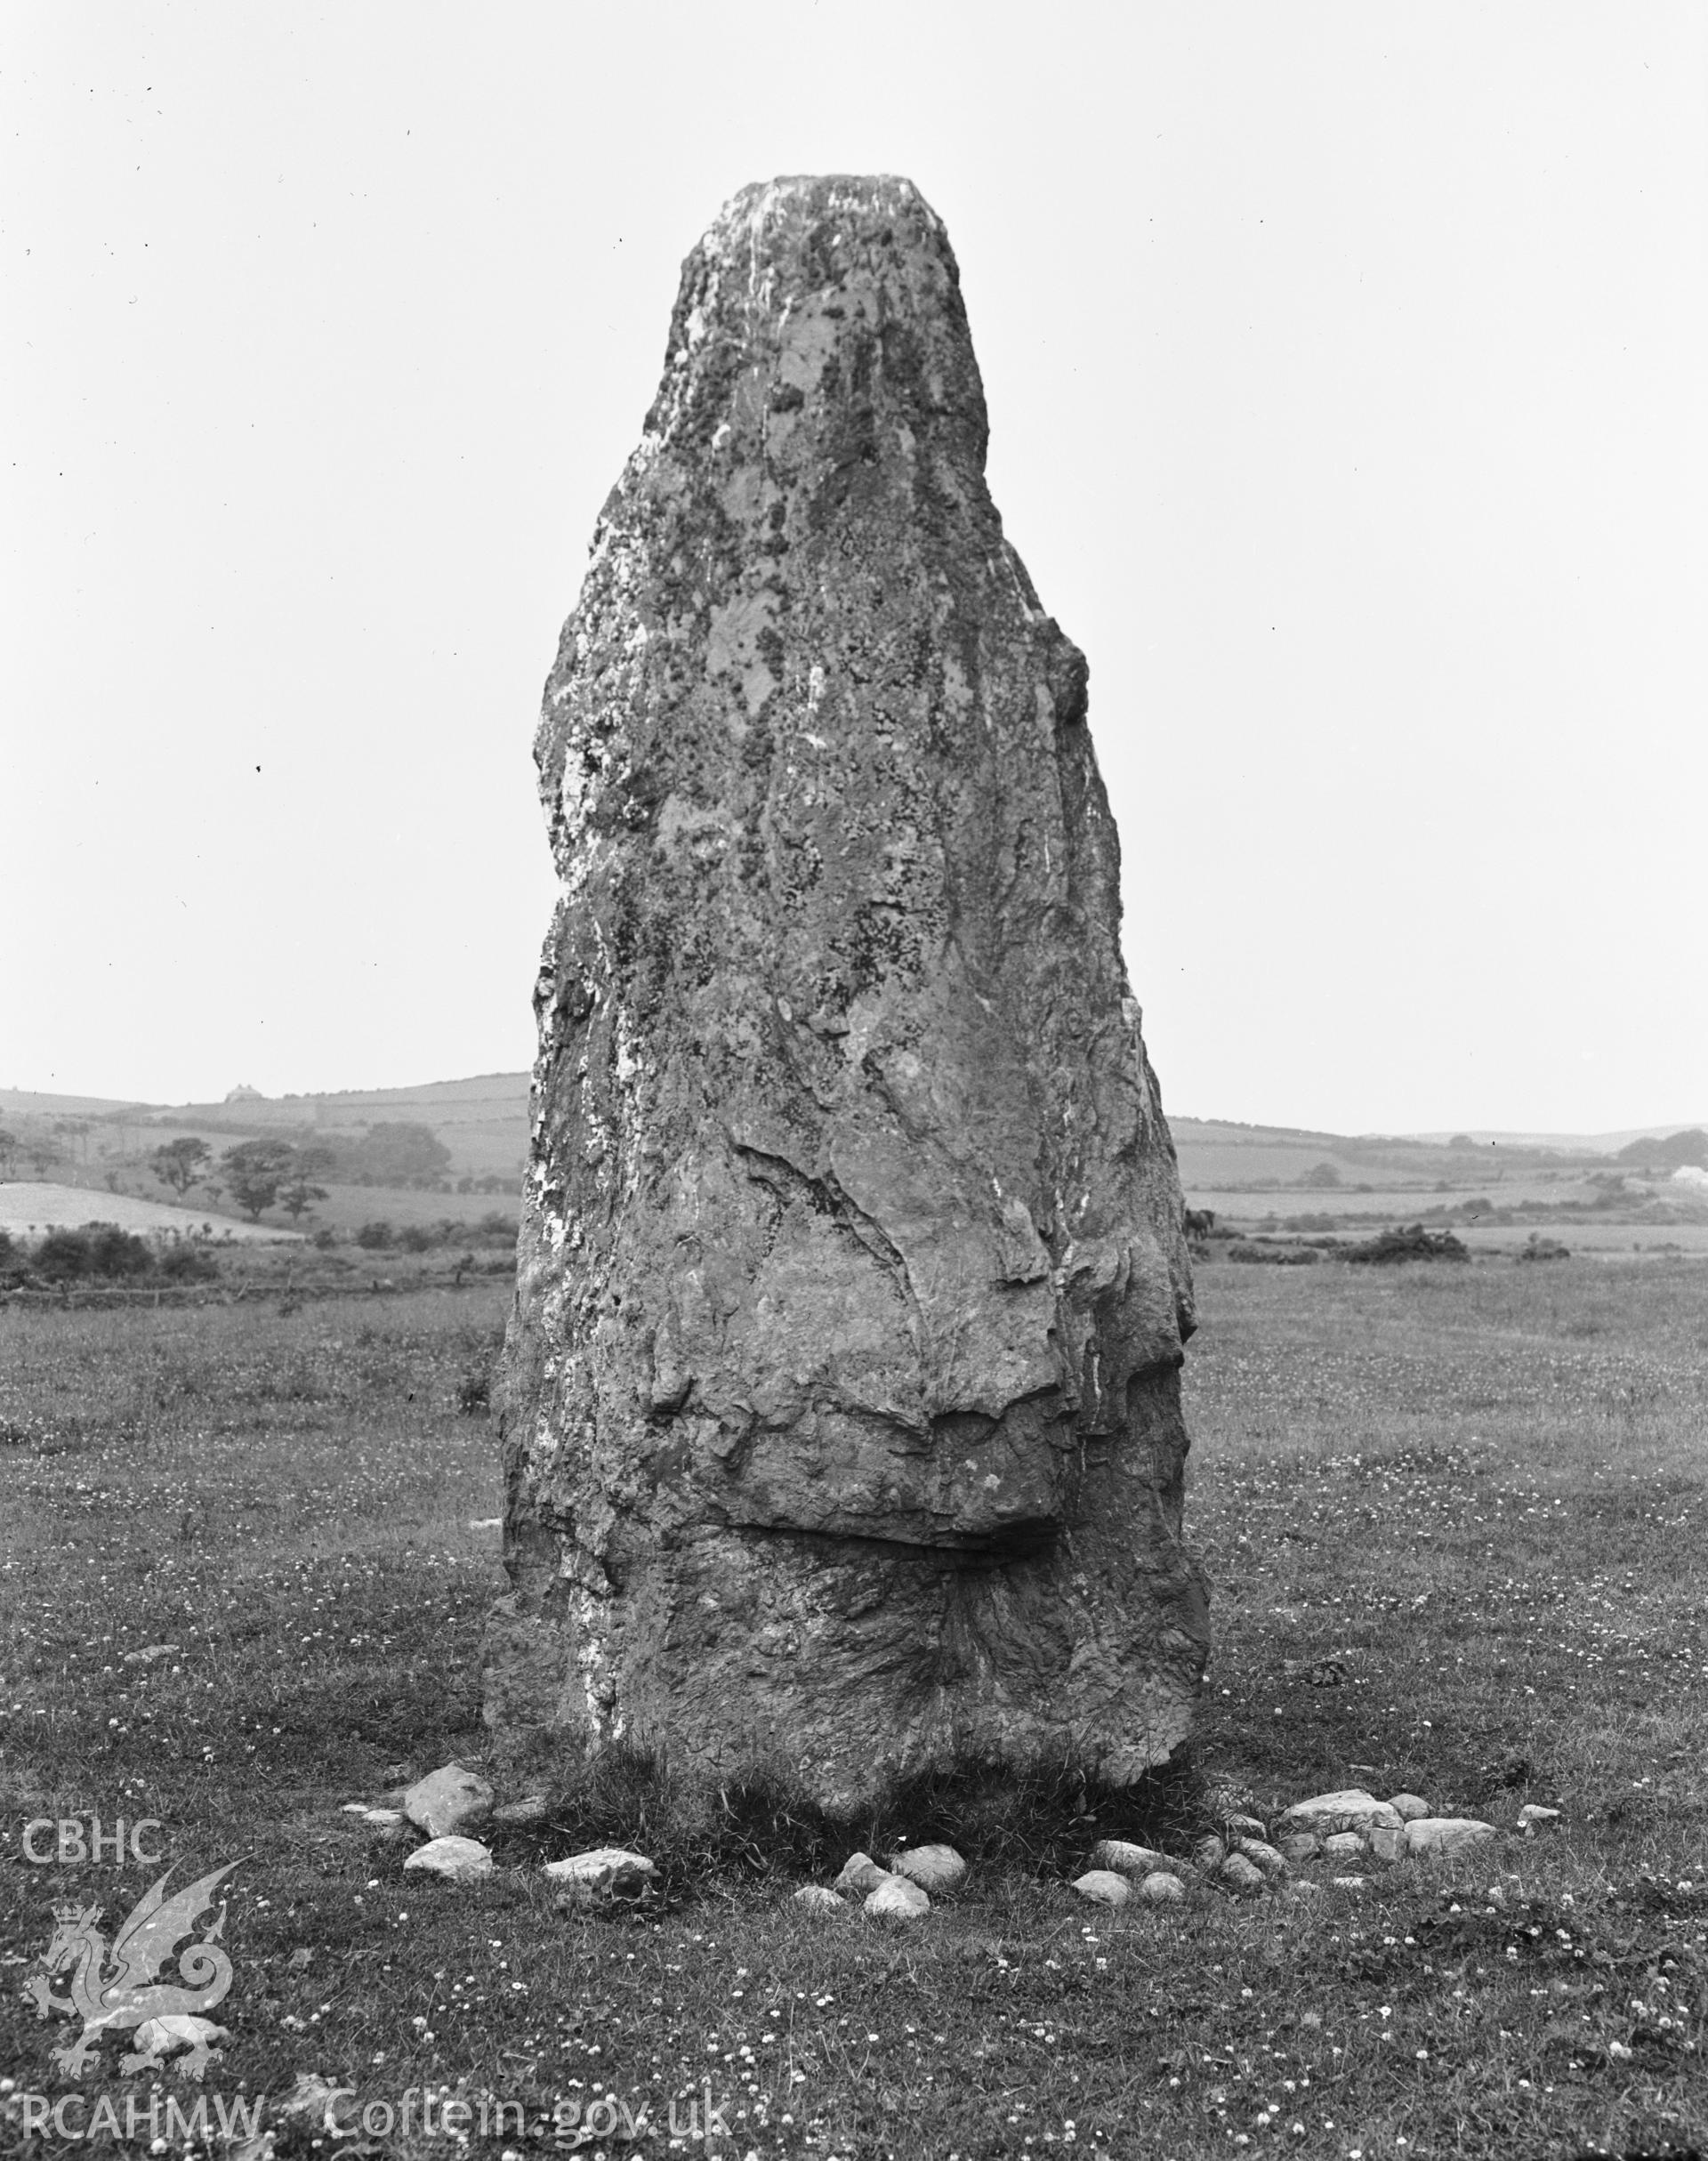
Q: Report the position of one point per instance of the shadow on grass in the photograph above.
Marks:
(757, 1827)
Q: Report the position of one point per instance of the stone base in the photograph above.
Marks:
(846, 1664)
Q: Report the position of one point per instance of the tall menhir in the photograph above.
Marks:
(841, 1412)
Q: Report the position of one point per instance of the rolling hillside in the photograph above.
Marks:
(483, 1122)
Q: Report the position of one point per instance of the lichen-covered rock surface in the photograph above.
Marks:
(842, 1408)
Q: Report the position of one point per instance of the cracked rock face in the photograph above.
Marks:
(841, 1409)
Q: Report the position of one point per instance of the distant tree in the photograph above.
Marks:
(9, 1146)
(400, 1154)
(1322, 1177)
(255, 1171)
(299, 1191)
(76, 1131)
(41, 1155)
(179, 1164)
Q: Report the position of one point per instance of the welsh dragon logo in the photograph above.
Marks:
(117, 1989)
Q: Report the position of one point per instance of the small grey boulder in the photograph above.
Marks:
(518, 1815)
(936, 1869)
(896, 1899)
(1129, 1860)
(603, 1872)
(1446, 1834)
(457, 1860)
(1103, 1887)
(861, 1872)
(1350, 1809)
(444, 1799)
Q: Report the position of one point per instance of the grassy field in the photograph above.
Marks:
(29, 1207)
(1471, 1497)
(1607, 1237)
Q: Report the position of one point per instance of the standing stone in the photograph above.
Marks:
(840, 1404)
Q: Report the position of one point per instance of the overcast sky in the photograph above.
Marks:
(1345, 375)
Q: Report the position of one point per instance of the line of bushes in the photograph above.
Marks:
(102, 1252)
(493, 1229)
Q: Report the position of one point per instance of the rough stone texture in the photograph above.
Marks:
(814, 1898)
(1343, 1846)
(1407, 1806)
(446, 1800)
(938, 1869)
(1264, 1856)
(841, 1406)
(1299, 1845)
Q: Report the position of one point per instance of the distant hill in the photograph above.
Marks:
(27, 1103)
(483, 1121)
